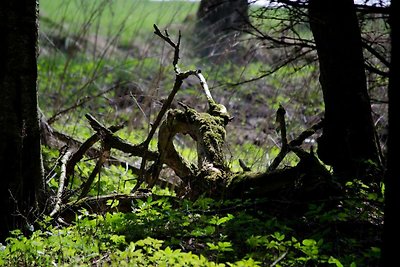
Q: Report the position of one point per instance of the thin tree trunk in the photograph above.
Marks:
(348, 139)
(20, 154)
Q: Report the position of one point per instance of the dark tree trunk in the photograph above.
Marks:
(392, 178)
(20, 154)
(348, 139)
(218, 22)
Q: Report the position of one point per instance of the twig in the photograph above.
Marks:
(78, 104)
(287, 61)
(279, 259)
(307, 133)
(176, 46)
(61, 184)
(117, 143)
(139, 107)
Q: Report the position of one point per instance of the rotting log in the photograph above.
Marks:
(212, 177)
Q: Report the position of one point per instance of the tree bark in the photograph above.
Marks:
(391, 232)
(348, 139)
(20, 154)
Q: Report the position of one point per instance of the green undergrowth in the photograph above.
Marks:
(164, 232)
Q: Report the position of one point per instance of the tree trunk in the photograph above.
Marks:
(348, 139)
(218, 23)
(391, 233)
(20, 154)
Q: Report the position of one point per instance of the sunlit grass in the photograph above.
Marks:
(127, 17)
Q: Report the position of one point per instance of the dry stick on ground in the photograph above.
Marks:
(110, 141)
(179, 77)
(57, 140)
(61, 184)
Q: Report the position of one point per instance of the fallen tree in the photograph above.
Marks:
(210, 176)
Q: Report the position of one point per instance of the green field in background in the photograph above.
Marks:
(126, 18)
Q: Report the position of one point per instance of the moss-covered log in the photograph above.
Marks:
(211, 176)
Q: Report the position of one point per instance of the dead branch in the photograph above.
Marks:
(119, 144)
(61, 183)
(175, 46)
(306, 134)
(96, 171)
(57, 140)
(179, 78)
(78, 155)
(295, 143)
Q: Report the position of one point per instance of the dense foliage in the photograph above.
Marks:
(162, 232)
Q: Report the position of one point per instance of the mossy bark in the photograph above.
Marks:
(209, 133)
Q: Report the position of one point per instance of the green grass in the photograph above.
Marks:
(128, 17)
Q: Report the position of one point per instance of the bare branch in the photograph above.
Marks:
(176, 46)
(204, 85)
(96, 171)
(61, 183)
(179, 77)
(78, 155)
(305, 134)
(374, 52)
(284, 63)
